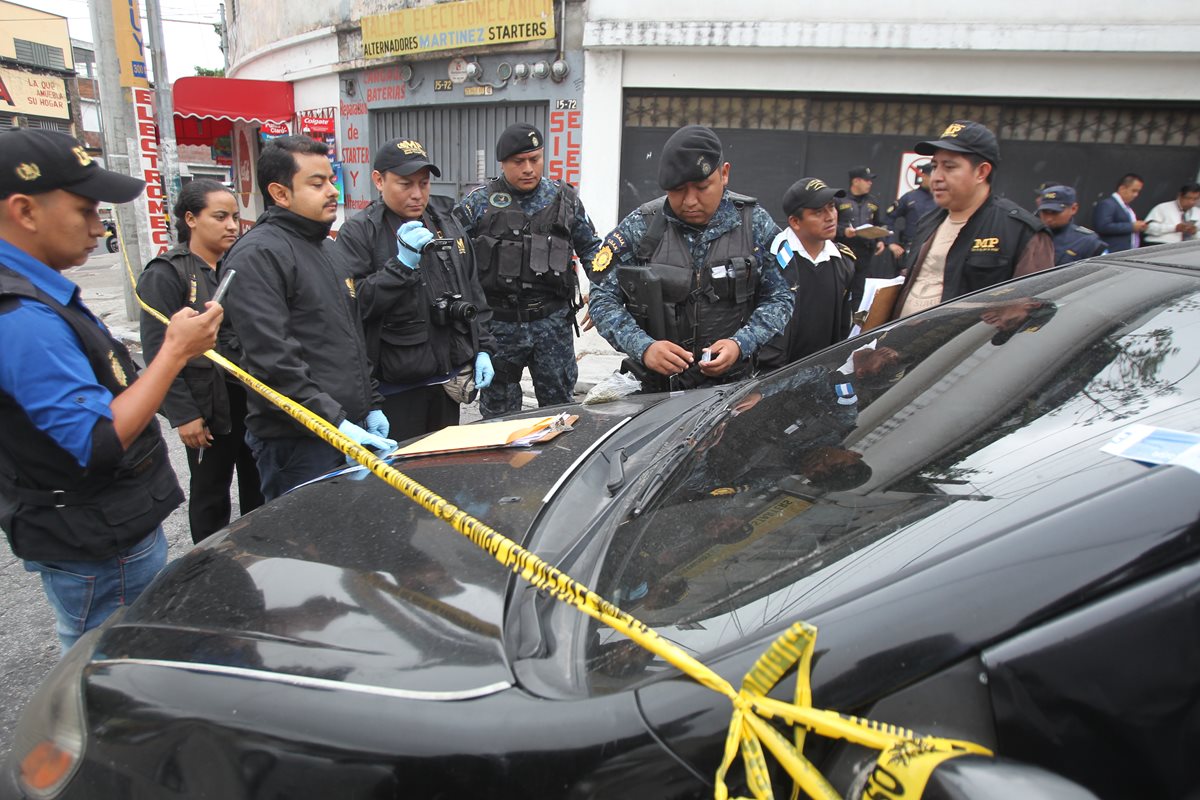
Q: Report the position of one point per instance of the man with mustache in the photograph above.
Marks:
(976, 239)
(293, 308)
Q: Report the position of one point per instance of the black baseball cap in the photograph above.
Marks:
(520, 137)
(1055, 198)
(404, 157)
(809, 193)
(691, 154)
(964, 136)
(862, 172)
(926, 167)
(34, 161)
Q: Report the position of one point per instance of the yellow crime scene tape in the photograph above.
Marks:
(906, 759)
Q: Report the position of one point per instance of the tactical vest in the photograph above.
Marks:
(697, 306)
(986, 251)
(50, 507)
(521, 255)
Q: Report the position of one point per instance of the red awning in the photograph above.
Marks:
(206, 108)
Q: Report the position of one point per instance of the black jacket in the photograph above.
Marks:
(403, 341)
(176, 279)
(855, 211)
(292, 307)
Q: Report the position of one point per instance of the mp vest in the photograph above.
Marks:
(50, 507)
(987, 248)
(697, 307)
(519, 254)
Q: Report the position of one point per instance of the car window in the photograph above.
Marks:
(875, 456)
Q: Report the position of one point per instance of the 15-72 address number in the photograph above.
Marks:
(567, 105)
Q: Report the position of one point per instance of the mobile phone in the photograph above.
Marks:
(223, 286)
(440, 245)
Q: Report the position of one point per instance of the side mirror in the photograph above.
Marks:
(980, 778)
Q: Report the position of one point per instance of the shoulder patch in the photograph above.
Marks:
(847, 252)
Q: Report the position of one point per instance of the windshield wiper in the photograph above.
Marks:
(668, 465)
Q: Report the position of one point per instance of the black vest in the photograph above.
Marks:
(522, 257)
(50, 507)
(986, 251)
(697, 307)
(406, 344)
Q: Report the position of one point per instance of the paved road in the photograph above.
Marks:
(28, 647)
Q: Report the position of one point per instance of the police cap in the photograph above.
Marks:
(809, 193)
(862, 172)
(34, 161)
(404, 157)
(691, 154)
(1055, 198)
(926, 167)
(964, 136)
(520, 137)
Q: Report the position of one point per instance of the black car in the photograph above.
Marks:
(934, 496)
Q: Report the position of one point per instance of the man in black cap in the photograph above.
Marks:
(903, 215)
(85, 482)
(818, 273)
(293, 307)
(526, 229)
(425, 316)
(695, 292)
(859, 209)
(975, 239)
(1057, 208)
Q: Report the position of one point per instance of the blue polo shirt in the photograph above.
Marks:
(43, 367)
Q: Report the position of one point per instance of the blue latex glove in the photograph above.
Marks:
(377, 423)
(484, 372)
(364, 438)
(411, 237)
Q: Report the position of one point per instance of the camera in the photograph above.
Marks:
(439, 245)
(451, 307)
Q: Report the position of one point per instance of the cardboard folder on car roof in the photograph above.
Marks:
(486, 435)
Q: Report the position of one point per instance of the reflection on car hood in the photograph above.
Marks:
(348, 580)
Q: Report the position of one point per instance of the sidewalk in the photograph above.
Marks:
(102, 280)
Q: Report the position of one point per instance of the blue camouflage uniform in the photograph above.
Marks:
(545, 345)
(1074, 242)
(911, 206)
(617, 325)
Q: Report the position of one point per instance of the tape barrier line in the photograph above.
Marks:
(906, 759)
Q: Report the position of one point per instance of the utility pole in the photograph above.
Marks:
(164, 107)
(119, 130)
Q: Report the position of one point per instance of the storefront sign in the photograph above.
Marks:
(147, 155)
(456, 25)
(36, 95)
(315, 127)
(564, 159)
(131, 49)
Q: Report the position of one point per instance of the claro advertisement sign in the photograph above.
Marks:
(453, 26)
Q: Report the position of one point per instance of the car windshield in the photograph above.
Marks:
(861, 463)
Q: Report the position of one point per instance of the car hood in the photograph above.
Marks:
(348, 580)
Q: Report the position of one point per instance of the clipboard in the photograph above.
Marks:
(872, 231)
(489, 435)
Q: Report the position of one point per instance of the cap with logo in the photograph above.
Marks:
(691, 154)
(404, 157)
(964, 136)
(1055, 198)
(35, 161)
(862, 172)
(520, 137)
(925, 168)
(809, 193)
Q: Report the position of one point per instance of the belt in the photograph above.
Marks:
(529, 312)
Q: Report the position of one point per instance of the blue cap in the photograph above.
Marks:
(1055, 198)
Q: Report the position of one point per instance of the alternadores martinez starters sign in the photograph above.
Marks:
(446, 26)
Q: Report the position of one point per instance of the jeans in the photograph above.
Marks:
(288, 461)
(85, 593)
